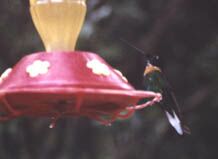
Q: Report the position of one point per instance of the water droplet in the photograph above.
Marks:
(52, 125)
(53, 122)
(108, 124)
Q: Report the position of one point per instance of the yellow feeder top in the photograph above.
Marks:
(58, 22)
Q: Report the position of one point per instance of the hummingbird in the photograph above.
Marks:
(155, 80)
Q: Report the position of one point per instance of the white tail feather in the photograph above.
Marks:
(175, 122)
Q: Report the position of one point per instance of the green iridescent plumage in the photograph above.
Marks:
(154, 80)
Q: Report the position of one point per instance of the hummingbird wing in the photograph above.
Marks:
(155, 80)
(171, 108)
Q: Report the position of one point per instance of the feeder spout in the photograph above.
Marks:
(58, 22)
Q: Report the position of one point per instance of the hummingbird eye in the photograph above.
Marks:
(152, 59)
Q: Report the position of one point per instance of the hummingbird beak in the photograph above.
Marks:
(150, 68)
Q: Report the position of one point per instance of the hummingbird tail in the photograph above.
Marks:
(176, 123)
(186, 129)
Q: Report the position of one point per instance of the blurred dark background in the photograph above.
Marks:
(184, 33)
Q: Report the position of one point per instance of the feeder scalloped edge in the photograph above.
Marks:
(59, 84)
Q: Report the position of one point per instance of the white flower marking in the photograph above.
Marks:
(98, 68)
(38, 68)
(5, 74)
(120, 73)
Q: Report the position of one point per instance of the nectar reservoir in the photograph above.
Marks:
(58, 22)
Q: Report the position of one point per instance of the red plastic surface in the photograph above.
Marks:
(69, 88)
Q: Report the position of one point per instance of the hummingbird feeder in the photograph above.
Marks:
(62, 82)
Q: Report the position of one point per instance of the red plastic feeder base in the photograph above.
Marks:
(68, 84)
